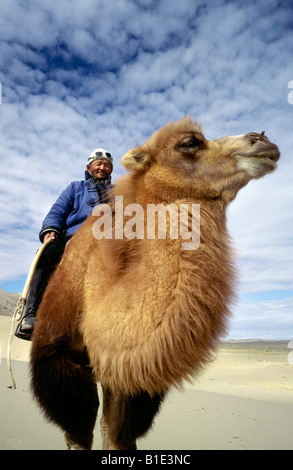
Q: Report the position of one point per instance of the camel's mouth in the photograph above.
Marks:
(270, 159)
(271, 155)
(262, 159)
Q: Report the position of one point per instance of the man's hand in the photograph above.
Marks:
(51, 235)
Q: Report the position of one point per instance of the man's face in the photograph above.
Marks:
(100, 169)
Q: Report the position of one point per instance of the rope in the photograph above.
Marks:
(21, 305)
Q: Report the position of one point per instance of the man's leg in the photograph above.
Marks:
(50, 258)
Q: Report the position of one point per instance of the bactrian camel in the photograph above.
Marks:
(142, 314)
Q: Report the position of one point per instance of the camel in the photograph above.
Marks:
(141, 315)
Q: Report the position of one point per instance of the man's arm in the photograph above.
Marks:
(55, 221)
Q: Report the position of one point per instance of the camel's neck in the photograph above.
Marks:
(206, 276)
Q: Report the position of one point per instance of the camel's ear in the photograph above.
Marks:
(136, 159)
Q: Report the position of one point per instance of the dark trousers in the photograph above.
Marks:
(46, 265)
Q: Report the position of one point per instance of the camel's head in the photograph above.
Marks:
(179, 156)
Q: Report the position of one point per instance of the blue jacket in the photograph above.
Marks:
(74, 205)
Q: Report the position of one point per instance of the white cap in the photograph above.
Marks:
(99, 154)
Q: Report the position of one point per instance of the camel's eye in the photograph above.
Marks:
(192, 143)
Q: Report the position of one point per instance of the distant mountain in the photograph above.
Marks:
(8, 302)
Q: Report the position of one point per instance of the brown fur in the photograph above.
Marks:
(145, 314)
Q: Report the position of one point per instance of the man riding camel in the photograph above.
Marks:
(66, 215)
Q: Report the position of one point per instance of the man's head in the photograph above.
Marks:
(100, 164)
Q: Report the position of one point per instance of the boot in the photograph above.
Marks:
(26, 326)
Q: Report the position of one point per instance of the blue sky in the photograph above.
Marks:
(81, 74)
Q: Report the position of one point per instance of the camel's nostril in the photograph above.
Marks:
(254, 137)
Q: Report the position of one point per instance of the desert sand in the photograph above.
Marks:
(243, 400)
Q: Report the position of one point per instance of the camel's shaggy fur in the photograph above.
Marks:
(142, 315)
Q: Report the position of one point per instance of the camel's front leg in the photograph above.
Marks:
(105, 433)
(112, 414)
(109, 411)
(107, 443)
(126, 418)
(104, 426)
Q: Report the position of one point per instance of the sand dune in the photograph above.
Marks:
(243, 400)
